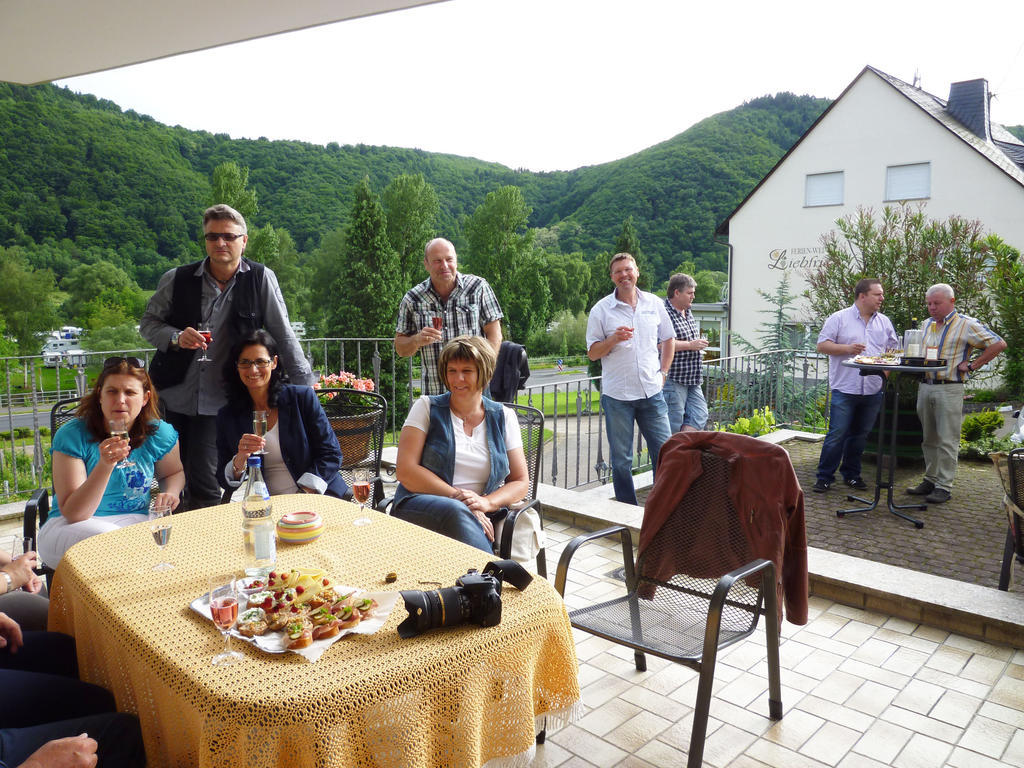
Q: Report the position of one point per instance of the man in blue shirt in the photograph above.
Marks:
(856, 399)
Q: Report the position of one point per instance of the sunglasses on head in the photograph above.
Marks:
(113, 362)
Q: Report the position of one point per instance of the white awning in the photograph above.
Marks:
(44, 40)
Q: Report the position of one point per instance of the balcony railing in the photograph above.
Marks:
(792, 383)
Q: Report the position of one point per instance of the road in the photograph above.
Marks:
(552, 376)
(23, 419)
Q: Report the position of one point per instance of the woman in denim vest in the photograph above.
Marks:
(460, 455)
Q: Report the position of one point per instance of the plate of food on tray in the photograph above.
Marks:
(303, 611)
(886, 358)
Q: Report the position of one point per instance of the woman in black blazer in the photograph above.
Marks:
(300, 450)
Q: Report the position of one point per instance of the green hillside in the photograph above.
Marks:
(77, 168)
(96, 203)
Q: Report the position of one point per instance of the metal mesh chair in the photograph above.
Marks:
(686, 598)
(1011, 472)
(531, 425)
(358, 420)
(37, 508)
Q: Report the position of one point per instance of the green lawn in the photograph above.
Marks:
(565, 402)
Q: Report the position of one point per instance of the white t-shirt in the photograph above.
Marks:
(472, 459)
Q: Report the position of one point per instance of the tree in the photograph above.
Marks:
(1007, 286)
(568, 275)
(229, 185)
(26, 300)
(411, 208)
(101, 294)
(500, 250)
(367, 289)
(908, 252)
(778, 331)
(113, 338)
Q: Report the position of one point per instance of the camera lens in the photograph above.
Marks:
(429, 610)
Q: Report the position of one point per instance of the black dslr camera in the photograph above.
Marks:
(475, 598)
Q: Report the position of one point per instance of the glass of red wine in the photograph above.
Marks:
(361, 486)
(224, 596)
(207, 335)
(438, 323)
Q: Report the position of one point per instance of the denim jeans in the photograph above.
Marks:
(446, 516)
(651, 415)
(686, 405)
(850, 418)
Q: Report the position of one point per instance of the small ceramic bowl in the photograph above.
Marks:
(299, 527)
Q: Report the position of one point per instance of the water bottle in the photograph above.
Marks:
(257, 524)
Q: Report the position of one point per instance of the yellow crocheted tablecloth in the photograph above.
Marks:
(453, 697)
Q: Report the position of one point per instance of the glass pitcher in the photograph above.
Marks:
(913, 343)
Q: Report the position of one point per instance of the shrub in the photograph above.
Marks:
(978, 425)
(761, 422)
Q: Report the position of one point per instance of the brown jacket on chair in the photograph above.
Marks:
(764, 493)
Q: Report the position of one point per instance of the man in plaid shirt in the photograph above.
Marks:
(687, 408)
(445, 305)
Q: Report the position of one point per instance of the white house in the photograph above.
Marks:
(881, 141)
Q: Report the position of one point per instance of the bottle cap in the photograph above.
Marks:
(254, 461)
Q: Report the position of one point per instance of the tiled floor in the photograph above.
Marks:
(859, 690)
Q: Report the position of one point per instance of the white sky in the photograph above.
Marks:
(558, 84)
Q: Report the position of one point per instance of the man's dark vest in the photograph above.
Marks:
(168, 368)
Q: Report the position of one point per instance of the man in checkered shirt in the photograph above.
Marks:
(687, 408)
(445, 305)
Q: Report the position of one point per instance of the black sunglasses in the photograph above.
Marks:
(134, 362)
(227, 237)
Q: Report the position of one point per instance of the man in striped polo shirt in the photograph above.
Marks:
(952, 337)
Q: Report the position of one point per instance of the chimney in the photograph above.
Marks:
(969, 103)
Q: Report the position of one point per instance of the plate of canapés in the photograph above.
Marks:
(302, 610)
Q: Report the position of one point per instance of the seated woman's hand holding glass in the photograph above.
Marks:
(299, 449)
(460, 455)
(97, 487)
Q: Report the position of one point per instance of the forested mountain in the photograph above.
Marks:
(84, 183)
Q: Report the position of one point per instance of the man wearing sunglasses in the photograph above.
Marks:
(227, 296)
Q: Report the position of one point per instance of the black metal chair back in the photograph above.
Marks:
(358, 420)
(531, 426)
(697, 587)
(37, 508)
(1014, 487)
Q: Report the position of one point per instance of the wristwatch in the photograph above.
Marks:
(174, 338)
(10, 581)
(970, 366)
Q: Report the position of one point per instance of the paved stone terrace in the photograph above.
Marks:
(961, 539)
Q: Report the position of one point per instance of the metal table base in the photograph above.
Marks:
(890, 407)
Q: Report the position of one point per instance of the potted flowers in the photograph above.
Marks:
(353, 416)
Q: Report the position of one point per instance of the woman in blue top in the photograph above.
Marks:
(460, 454)
(93, 495)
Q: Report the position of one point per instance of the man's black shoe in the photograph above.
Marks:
(922, 489)
(820, 486)
(857, 483)
(938, 496)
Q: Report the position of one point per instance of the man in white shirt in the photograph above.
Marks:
(623, 332)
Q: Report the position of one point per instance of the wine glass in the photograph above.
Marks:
(223, 597)
(119, 427)
(207, 335)
(160, 527)
(259, 426)
(361, 493)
